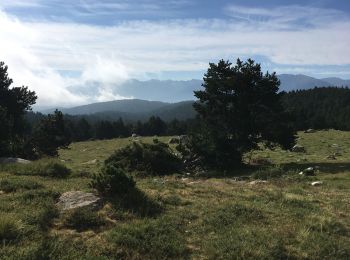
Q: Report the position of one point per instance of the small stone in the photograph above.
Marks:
(257, 182)
(91, 162)
(298, 149)
(316, 183)
(331, 157)
(309, 131)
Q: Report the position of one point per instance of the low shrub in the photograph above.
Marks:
(82, 219)
(147, 159)
(112, 181)
(10, 228)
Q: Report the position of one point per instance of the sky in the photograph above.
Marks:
(54, 46)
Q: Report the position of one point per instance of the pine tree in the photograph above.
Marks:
(239, 107)
(14, 103)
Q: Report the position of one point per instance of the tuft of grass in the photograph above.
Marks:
(232, 214)
(47, 168)
(154, 239)
(44, 217)
(12, 185)
(10, 228)
(83, 219)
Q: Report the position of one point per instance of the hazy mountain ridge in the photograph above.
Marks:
(166, 90)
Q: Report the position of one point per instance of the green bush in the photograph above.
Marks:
(82, 219)
(9, 228)
(112, 180)
(147, 159)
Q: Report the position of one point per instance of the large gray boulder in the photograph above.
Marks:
(13, 160)
(78, 199)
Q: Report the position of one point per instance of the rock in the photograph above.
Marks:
(174, 140)
(316, 183)
(302, 160)
(309, 131)
(91, 162)
(13, 160)
(257, 182)
(308, 172)
(298, 149)
(331, 157)
(134, 135)
(78, 199)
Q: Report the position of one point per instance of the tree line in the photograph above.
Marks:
(319, 108)
(82, 128)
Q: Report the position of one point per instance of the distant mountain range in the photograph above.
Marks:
(133, 109)
(170, 92)
(291, 82)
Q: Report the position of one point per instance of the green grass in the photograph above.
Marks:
(181, 217)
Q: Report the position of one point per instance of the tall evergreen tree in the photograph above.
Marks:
(239, 107)
(14, 102)
(51, 134)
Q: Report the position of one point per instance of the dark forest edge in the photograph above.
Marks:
(317, 108)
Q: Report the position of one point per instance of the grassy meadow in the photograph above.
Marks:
(180, 216)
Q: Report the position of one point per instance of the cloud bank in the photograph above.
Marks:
(54, 57)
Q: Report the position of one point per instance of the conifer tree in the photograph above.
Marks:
(239, 107)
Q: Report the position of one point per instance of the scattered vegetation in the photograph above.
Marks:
(168, 216)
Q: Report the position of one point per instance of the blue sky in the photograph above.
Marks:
(52, 45)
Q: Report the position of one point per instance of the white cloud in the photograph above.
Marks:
(109, 55)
